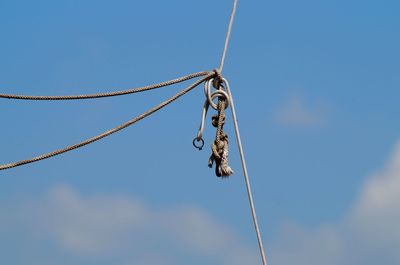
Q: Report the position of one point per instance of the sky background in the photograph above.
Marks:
(316, 86)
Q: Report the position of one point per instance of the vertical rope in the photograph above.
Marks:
(228, 36)
(246, 176)
(235, 123)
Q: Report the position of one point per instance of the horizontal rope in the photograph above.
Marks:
(107, 94)
(109, 132)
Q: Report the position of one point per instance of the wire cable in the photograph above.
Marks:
(228, 36)
(107, 94)
(111, 131)
(239, 142)
(246, 175)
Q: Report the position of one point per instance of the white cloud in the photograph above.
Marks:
(376, 215)
(369, 234)
(295, 112)
(89, 228)
(120, 230)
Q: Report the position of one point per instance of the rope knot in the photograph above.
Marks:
(217, 80)
(220, 146)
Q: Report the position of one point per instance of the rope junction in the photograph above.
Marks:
(220, 148)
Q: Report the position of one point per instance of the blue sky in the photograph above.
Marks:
(316, 88)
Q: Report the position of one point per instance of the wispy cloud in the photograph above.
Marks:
(296, 112)
(369, 234)
(100, 228)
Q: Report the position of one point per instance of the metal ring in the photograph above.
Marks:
(201, 143)
(217, 93)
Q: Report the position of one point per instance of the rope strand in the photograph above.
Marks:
(109, 132)
(107, 94)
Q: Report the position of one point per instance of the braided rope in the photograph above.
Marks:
(108, 94)
(111, 131)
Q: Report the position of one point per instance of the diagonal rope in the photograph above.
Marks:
(246, 175)
(111, 131)
(228, 36)
(108, 94)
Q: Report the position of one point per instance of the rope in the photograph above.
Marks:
(108, 94)
(235, 123)
(109, 132)
(246, 175)
(228, 36)
(220, 146)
